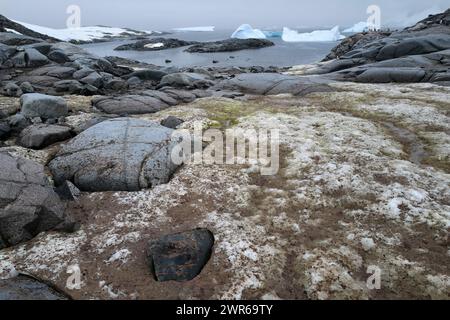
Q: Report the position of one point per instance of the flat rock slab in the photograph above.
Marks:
(122, 154)
(230, 45)
(27, 288)
(129, 104)
(43, 106)
(42, 135)
(181, 256)
(28, 204)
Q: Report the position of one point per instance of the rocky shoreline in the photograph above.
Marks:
(364, 178)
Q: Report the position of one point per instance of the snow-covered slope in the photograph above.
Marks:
(83, 34)
(315, 36)
(246, 31)
(195, 29)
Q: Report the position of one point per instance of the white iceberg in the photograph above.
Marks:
(315, 36)
(359, 27)
(82, 33)
(246, 31)
(195, 29)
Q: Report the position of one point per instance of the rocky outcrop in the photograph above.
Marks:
(155, 44)
(43, 106)
(122, 154)
(28, 204)
(24, 287)
(230, 45)
(6, 23)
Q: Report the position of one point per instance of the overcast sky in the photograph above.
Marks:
(166, 14)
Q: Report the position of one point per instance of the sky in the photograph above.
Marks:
(224, 14)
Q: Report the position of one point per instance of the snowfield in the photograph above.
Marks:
(195, 29)
(83, 33)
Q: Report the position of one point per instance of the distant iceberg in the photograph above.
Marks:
(273, 34)
(246, 31)
(359, 27)
(82, 33)
(195, 29)
(315, 36)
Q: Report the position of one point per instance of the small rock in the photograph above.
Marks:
(181, 256)
(134, 81)
(12, 90)
(43, 106)
(5, 130)
(26, 87)
(168, 61)
(58, 56)
(94, 79)
(39, 136)
(215, 61)
(171, 122)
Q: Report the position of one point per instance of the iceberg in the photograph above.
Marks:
(315, 36)
(82, 33)
(195, 29)
(246, 31)
(359, 27)
(273, 34)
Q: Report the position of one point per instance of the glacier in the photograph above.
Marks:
(246, 31)
(82, 33)
(196, 29)
(315, 36)
(358, 27)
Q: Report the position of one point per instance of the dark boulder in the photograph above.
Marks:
(181, 256)
(43, 106)
(171, 122)
(155, 44)
(39, 136)
(24, 287)
(129, 104)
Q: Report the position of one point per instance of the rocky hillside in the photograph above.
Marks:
(7, 25)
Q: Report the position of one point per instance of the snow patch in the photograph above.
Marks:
(195, 29)
(358, 27)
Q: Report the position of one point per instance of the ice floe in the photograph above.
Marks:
(315, 36)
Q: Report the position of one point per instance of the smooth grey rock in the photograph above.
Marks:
(134, 81)
(84, 72)
(12, 90)
(116, 84)
(386, 75)
(18, 122)
(43, 106)
(147, 74)
(5, 129)
(39, 136)
(25, 287)
(54, 71)
(129, 104)
(13, 39)
(160, 95)
(58, 56)
(69, 86)
(122, 154)
(26, 87)
(181, 256)
(186, 79)
(34, 58)
(171, 122)
(28, 205)
(94, 79)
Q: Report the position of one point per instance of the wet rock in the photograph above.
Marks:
(24, 287)
(134, 81)
(129, 104)
(18, 122)
(230, 45)
(82, 73)
(122, 154)
(171, 122)
(43, 106)
(54, 71)
(186, 79)
(13, 39)
(28, 205)
(68, 191)
(155, 44)
(39, 136)
(181, 256)
(12, 90)
(387, 75)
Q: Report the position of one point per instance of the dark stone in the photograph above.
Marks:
(43, 106)
(58, 56)
(69, 86)
(12, 90)
(26, 87)
(39, 136)
(5, 130)
(68, 191)
(94, 79)
(186, 79)
(181, 256)
(171, 122)
(129, 104)
(230, 45)
(24, 287)
(147, 74)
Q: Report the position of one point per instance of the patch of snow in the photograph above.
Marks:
(121, 255)
(12, 31)
(246, 31)
(195, 29)
(79, 34)
(154, 45)
(315, 36)
(367, 243)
